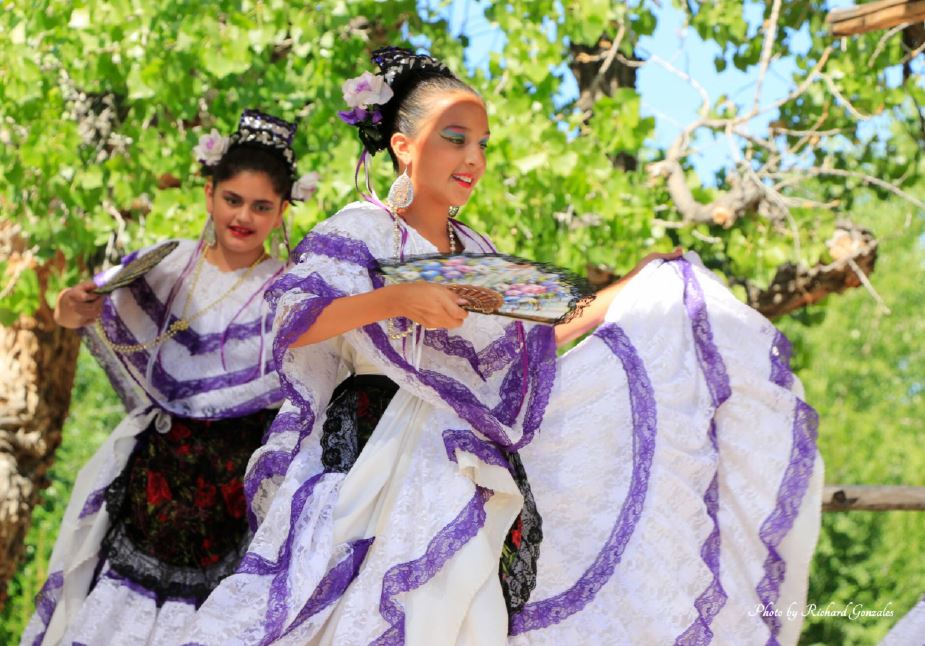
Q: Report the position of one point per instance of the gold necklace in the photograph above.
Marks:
(185, 320)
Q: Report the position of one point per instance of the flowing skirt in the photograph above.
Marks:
(139, 552)
(910, 630)
(675, 472)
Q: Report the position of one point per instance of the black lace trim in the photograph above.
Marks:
(167, 581)
(355, 409)
(177, 509)
(521, 551)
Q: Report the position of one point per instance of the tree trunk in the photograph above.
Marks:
(37, 364)
(597, 78)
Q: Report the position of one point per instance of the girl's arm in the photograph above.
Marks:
(593, 315)
(432, 306)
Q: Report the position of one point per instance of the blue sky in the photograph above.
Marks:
(670, 100)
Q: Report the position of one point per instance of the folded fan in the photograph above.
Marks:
(500, 284)
(137, 268)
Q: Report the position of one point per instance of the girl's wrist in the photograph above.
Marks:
(390, 301)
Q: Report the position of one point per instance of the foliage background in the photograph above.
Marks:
(101, 103)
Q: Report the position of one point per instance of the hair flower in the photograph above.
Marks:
(354, 116)
(211, 147)
(365, 90)
(305, 186)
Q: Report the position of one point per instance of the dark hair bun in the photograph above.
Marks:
(398, 64)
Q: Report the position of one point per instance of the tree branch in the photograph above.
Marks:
(770, 31)
(863, 177)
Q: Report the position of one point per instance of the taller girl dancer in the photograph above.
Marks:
(657, 484)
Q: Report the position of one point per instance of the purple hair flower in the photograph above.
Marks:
(354, 116)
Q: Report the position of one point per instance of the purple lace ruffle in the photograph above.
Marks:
(540, 614)
(405, 577)
(331, 587)
(465, 440)
(275, 463)
(713, 598)
(790, 494)
(46, 601)
(196, 343)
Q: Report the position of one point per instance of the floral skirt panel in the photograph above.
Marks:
(355, 409)
(177, 510)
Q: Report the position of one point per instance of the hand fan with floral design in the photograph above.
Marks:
(500, 284)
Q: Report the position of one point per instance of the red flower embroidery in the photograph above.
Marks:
(157, 490)
(179, 432)
(208, 559)
(517, 533)
(183, 450)
(233, 493)
(229, 466)
(205, 493)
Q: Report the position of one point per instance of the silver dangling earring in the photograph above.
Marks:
(208, 235)
(401, 192)
(454, 211)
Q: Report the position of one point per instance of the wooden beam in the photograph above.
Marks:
(872, 498)
(873, 16)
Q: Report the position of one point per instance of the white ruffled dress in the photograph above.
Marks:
(670, 454)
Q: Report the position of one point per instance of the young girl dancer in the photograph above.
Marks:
(657, 484)
(157, 517)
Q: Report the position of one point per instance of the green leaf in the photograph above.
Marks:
(137, 88)
(531, 162)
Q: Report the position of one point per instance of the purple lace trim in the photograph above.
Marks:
(330, 588)
(465, 440)
(172, 389)
(269, 399)
(708, 355)
(93, 503)
(714, 597)
(289, 421)
(793, 484)
(192, 340)
(298, 321)
(540, 614)
(46, 601)
(279, 588)
(503, 350)
(541, 348)
(455, 346)
(781, 351)
(408, 576)
(335, 246)
(789, 496)
(542, 374)
(268, 465)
